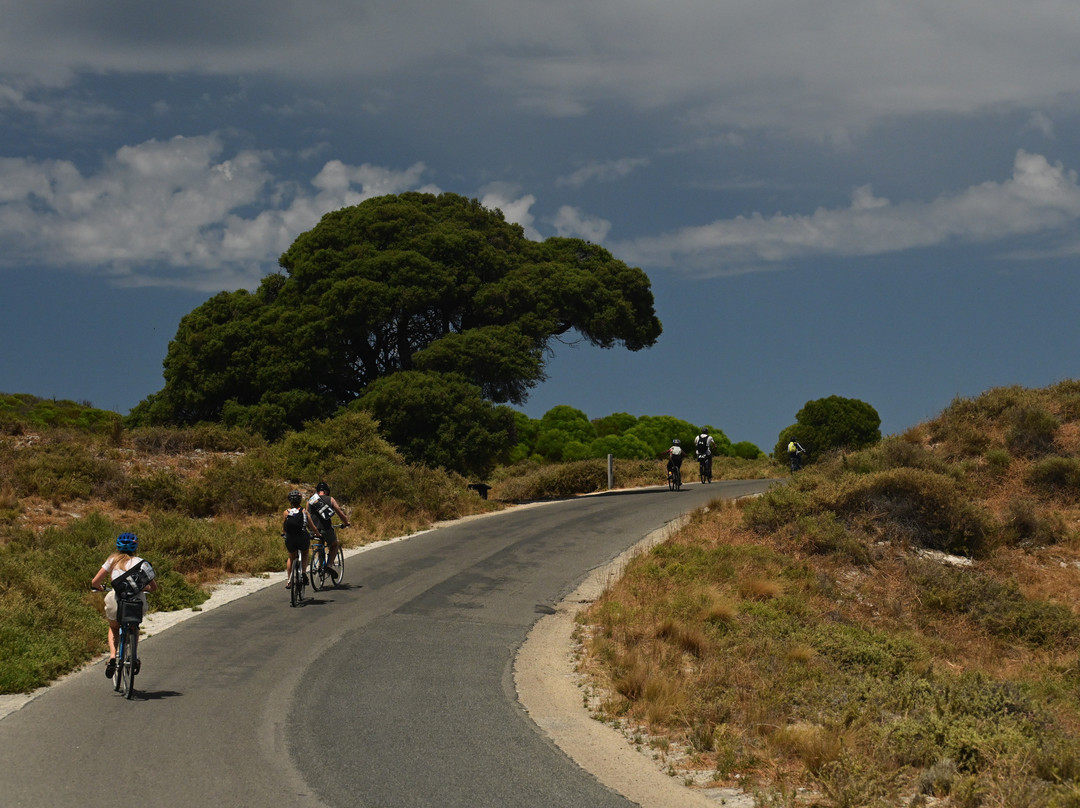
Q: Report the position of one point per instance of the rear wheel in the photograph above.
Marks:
(121, 646)
(126, 665)
(297, 582)
(318, 571)
(339, 562)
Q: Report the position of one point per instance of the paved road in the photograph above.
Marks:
(393, 691)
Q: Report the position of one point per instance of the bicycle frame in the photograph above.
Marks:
(127, 646)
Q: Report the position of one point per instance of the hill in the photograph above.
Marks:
(895, 626)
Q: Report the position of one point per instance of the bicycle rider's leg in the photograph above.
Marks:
(331, 558)
(289, 568)
(114, 635)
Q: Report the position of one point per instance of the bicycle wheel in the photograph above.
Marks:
(318, 571)
(701, 471)
(339, 562)
(297, 581)
(678, 478)
(127, 664)
(121, 641)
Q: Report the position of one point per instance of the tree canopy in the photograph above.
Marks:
(831, 423)
(437, 285)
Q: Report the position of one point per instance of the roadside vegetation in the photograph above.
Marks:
(897, 625)
(206, 501)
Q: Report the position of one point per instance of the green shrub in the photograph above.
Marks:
(235, 487)
(1026, 524)
(831, 423)
(921, 507)
(1056, 475)
(1031, 431)
(560, 480)
(205, 437)
(159, 490)
(998, 460)
(63, 471)
(1000, 608)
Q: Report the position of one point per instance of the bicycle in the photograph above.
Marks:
(129, 614)
(705, 468)
(675, 478)
(795, 461)
(319, 572)
(296, 591)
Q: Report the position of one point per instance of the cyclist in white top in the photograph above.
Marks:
(127, 544)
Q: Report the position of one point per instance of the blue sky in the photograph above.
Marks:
(877, 201)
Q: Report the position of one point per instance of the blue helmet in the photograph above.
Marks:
(127, 543)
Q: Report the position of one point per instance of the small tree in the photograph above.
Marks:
(440, 420)
(831, 423)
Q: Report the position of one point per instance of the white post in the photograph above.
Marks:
(610, 472)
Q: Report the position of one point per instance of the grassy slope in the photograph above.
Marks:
(896, 626)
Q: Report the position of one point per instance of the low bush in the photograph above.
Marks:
(200, 437)
(1056, 476)
(999, 608)
(918, 507)
(1031, 431)
(62, 471)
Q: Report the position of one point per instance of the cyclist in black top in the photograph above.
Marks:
(322, 508)
(294, 529)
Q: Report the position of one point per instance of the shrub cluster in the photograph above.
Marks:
(566, 434)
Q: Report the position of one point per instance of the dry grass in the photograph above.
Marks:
(821, 640)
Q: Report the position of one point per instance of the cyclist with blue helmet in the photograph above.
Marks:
(125, 558)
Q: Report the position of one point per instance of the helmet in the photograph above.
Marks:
(127, 543)
(322, 488)
(676, 442)
(295, 498)
(704, 430)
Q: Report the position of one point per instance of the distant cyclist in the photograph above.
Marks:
(704, 448)
(795, 454)
(322, 508)
(120, 562)
(297, 539)
(675, 456)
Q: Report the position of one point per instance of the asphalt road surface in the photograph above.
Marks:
(393, 690)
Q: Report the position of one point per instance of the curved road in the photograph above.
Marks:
(395, 690)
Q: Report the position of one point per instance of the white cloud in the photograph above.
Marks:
(572, 223)
(1040, 198)
(515, 207)
(173, 212)
(604, 171)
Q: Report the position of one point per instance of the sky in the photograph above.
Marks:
(873, 200)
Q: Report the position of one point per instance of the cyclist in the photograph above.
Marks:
(295, 532)
(704, 446)
(124, 559)
(675, 457)
(322, 508)
(795, 453)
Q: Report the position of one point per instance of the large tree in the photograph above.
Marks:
(413, 282)
(831, 423)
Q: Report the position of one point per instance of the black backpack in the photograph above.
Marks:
(294, 522)
(321, 507)
(133, 581)
(702, 444)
